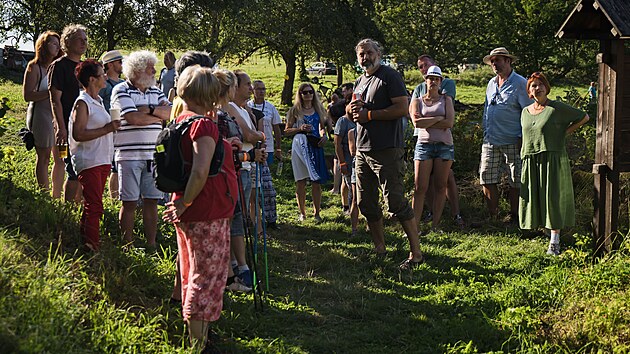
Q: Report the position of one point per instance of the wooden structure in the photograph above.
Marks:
(609, 22)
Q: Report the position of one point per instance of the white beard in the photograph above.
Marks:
(146, 81)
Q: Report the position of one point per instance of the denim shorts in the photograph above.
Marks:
(135, 180)
(430, 151)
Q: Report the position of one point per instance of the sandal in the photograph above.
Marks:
(410, 264)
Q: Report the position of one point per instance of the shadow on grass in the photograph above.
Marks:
(329, 294)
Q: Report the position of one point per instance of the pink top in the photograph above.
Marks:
(434, 135)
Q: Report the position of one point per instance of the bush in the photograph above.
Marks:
(478, 77)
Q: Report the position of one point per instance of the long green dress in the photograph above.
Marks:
(546, 198)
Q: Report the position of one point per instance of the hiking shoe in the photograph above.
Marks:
(427, 217)
(301, 217)
(246, 278)
(554, 249)
(459, 221)
(318, 219)
(237, 286)
(346, 210)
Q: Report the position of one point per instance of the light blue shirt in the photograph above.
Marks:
(502, 110)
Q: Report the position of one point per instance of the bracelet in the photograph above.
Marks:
(369, 115)
(279, 150)
(186, 204)
(264, 137)
(343, 164)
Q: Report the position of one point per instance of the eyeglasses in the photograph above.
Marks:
(307, 92)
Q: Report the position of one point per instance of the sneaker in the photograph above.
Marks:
(318, 219)
(346, 210)
(459, 221)
(237, 286)
(301, 217)
(246, 278)
(554, 249)
(427, 217)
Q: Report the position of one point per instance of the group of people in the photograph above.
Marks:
(111, 126)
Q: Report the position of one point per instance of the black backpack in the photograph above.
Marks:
(169, 169)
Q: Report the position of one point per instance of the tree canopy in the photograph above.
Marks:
(453, 31)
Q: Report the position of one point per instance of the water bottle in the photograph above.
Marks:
(279, 170)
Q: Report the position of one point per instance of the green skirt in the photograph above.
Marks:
(546, 198)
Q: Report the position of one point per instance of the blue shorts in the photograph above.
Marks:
(270, 158)
(430, 151)
(135, 180)
(72, 175)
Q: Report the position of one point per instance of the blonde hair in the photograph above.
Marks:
(197, 85)
(297, 111)
(68, 32)
(227, 79)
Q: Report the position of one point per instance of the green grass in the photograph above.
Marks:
(490, 289)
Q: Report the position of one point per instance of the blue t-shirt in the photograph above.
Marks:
(502, 110)
(342, 127)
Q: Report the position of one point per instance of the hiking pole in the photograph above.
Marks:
(259, 169)
(248, 245)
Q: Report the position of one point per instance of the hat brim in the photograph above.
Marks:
(112, 59)
(486, 59)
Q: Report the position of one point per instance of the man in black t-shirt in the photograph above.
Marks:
(378, 106)
(63, 87)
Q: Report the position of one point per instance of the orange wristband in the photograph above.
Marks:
(343, 164)
(369, 115)
(186, 204)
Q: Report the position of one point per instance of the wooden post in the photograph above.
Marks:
(607, 150)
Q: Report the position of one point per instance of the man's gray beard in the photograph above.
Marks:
(146, 81)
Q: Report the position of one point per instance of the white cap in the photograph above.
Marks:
(434, 71)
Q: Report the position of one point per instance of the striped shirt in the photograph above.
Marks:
(135, 142)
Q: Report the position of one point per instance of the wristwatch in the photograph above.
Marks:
(151, 109)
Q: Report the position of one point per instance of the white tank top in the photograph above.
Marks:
(246, 146)
(95, 152)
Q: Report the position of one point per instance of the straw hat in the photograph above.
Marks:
(434, 71)
(498, 51)
(111, 56)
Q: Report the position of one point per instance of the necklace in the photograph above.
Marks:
(540, 106)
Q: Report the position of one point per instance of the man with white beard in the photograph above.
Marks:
(143, 108)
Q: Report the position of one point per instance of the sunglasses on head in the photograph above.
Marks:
(307, 92)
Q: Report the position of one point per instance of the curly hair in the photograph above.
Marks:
(68, 32)
(137, 62)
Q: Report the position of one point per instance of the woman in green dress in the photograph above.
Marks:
(546, 198)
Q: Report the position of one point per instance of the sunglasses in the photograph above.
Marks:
(307, 92)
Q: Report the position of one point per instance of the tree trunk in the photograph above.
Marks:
(339, 75)
(289, 77)
(111, 24)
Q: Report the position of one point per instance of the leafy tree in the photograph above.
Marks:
(449, 30)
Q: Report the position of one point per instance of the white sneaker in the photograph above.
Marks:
(554, 249)
(238, 286)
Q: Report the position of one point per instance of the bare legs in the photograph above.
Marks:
(378, 237)
(149, 215)
(300, 195)
(41, 170)
(423, 169)
(491, 195)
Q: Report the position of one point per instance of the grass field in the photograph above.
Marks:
(490, 289)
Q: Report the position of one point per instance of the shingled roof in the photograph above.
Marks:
(597, 19)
